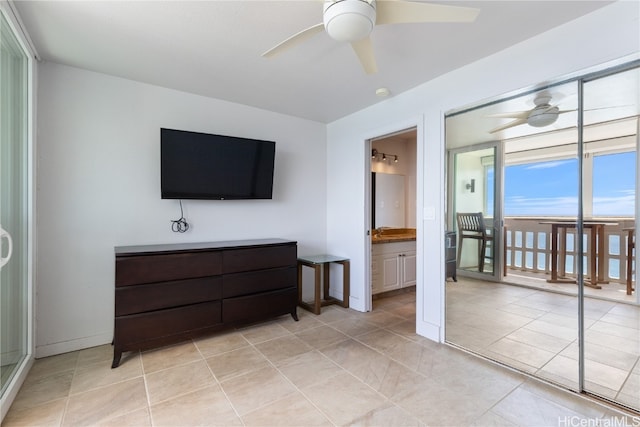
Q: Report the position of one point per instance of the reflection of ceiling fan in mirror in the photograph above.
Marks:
(543, 114)
(353, 20)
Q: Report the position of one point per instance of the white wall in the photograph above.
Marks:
(99, 186)
(605, 35)
(468, 167)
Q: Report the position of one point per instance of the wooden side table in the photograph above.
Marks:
(322, 265)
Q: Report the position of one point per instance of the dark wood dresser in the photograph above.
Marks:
(169, 293)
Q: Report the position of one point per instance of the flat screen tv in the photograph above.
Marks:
(215, 167)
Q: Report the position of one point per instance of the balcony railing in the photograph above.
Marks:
(528, 247)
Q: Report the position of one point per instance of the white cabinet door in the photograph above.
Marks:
(408, 267)
(391, 272)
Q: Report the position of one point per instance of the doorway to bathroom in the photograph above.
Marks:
(393, 222)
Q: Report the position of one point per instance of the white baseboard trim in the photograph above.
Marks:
(428, 330)
(356, 304)
(72, 345)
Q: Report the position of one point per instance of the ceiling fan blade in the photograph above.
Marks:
(364, 50)
(511, 115)
(401, 12)
(294, 40)
(511, 124)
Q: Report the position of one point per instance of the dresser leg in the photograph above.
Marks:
(116, 359)
(294, 314)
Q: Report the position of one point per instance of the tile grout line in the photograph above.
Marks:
(66, 405)
(273, 365)
(217, 381)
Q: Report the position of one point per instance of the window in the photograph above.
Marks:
(614, 184)
(547, 188)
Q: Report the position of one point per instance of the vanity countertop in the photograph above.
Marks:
(389, 235)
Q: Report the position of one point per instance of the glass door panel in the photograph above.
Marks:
(513, 312)
(611, 311)
(14, 207)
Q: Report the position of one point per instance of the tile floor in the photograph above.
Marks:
(536, 331)
(611, 291)
(340, 368)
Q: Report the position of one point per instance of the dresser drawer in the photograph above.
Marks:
(138, 328)
(236, 260)
(248, 308)
(134, 270)
(156, 296)
(258, 281)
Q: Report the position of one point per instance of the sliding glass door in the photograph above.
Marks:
(566, 308)
(15, 182)
(612, 326)
(510, 314)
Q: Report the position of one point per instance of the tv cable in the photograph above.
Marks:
(180, 225)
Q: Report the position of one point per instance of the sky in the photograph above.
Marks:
(551, 188)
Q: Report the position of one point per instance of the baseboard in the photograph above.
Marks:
(356, 304)
(72, 345)
(428, 330)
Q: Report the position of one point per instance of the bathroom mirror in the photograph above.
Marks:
(388, 200)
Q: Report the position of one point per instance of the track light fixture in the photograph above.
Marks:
(378, 156)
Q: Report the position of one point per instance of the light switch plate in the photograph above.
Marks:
(429, 213)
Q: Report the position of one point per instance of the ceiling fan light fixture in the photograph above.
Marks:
(349, 20)
(542, 116)
(382, 92)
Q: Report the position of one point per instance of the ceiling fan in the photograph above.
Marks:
(353, 20)
(543, 114)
